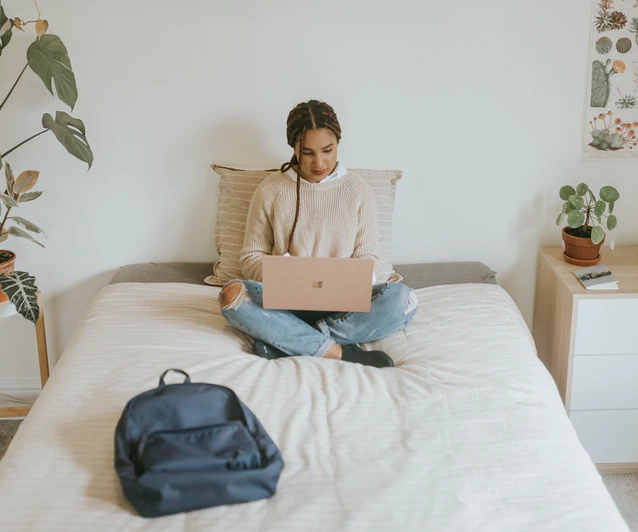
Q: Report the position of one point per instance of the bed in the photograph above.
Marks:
(466, 433)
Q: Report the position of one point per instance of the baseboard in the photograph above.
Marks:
(629, 467)
(14, 412)
(27, 383)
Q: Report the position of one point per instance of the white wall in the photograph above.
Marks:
(480, 104)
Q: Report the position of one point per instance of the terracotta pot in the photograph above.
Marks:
(7, 268)
(581, 251)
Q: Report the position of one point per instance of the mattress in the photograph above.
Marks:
(466, 433)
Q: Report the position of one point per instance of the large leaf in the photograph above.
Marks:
(26, 181)
(6, 27)
(23, 293)
(5, 37)
(71, 134)
(3, 17)
(26, 224)
(48, 58)
(16, 231)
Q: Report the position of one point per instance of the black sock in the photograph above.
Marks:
(349, 353)
(264, 350)
(353, 353)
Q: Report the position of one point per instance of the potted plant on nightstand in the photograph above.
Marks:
(48, 58)
(585, 233)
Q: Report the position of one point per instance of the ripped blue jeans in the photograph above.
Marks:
(311, 333)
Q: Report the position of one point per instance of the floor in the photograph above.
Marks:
(7, 431)
(622, 486)
(624, 490)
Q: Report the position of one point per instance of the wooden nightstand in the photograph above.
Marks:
(588, 340)
(43, 358)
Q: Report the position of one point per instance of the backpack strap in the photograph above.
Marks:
(187, 380)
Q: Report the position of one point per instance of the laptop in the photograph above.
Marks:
(317, 283)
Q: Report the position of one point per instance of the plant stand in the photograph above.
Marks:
(43, 358)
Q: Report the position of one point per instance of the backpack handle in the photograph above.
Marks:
(187, 380)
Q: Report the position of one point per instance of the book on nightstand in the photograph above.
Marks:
(597, 278)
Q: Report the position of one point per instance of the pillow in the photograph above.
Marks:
(236, 188)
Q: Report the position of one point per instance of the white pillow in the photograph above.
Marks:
(236, 188)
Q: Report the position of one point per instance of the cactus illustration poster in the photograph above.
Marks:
(611, 125)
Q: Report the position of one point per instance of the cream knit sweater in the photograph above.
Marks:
(336, 219)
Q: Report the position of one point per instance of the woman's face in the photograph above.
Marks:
(319, 157)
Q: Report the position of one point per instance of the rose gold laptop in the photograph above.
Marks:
(314, 283)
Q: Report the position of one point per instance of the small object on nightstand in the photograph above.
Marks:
(597, 278)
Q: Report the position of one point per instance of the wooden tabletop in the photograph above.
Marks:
(622, 262)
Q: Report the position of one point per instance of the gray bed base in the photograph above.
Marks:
(414, 275)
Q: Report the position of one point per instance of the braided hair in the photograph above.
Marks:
(306, 115)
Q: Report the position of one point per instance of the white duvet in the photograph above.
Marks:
(466, 433)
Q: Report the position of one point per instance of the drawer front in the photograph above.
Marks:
(607, 326)
(609, 436)
(605, 382)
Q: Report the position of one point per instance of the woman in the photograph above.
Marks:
(338, 218)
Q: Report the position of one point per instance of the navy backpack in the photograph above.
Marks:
(182, 447)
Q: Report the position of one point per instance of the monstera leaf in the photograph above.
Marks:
(23, 293)
(6, 25)
(71, 134)
(49, 59)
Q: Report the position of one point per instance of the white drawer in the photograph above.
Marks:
(609, 436)
(605, 382)
(607, 326)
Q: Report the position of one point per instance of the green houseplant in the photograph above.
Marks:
(48, 58)
(18, 287)
(585, 230)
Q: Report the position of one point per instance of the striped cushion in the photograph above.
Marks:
(236, 188)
